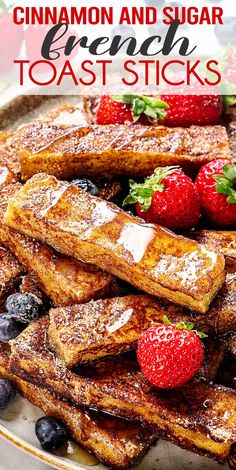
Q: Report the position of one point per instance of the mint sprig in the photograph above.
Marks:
(153, 108)
(184, 326)
(142, 192)
(226, 183)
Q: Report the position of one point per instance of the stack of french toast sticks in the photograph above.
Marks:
(74, 251)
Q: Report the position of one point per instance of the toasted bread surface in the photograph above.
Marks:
(116, 150)
(114, 442)
(10, 272)
(218, 240)
(6, 175)
(87, 332)
(214, 349)
(28, 285)
(221, 316)
(64, 279)
(230, 342)
(91, 103)
(10, 157)
(198, 416)
(83, 333)
(147, 256)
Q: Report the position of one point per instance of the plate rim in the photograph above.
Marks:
(37, 453)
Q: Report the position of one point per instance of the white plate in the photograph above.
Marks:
(17, 426)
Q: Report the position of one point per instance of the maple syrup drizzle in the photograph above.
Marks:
(77, 454)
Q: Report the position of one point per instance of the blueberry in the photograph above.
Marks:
(87, 186)
(7, 392)
(123, 30)
(9, 328)
(23, 307)
(226, 32)
(50, 433)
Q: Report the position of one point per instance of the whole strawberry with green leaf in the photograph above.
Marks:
(119, 109)
(168, 198)
(170, 355)
(216, 186)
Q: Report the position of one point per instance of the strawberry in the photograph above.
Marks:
(119, 109)
(11, 39)
(186, 110)
(168, 198)
(216, 185)
(170, 355)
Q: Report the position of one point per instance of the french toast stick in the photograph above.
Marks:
(118, 444)
(227, 372)
(28, 285)
(147, 256)
(221, 316)
(198, 416)
(10, 272)
(113, 150)
(214, 353)
(218, 240)
(6, 176)
(87, 332)
(10, 157)
(230, 342)
(10, 169)
(65, 280)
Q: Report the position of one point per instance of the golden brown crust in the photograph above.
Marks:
(65, 280)
(10, 157)
(84, 333)
(227, 372)
(10, 169)
(230, 343)
(6, 175)
(218, 240)
(221, 317)
(90, 107)
(129, 150)
(114, 442)
(149, 257)
(29, 285)
(10, 272)
(109, 190)
(193, 416)
(214, 352)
